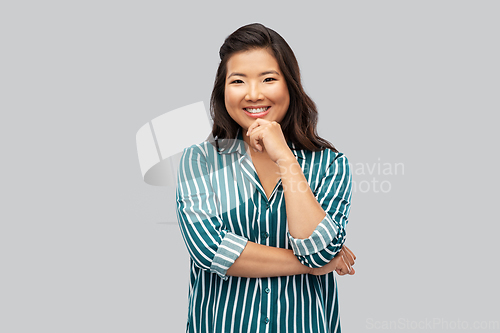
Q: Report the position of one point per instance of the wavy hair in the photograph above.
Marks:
(301, 118)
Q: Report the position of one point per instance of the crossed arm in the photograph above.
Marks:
(214, 248)
(259, 260)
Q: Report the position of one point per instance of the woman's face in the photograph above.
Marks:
(255, 83)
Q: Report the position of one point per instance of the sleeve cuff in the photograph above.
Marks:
(326, 231)
(229, 250)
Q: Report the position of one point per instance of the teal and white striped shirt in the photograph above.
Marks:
(221, 205)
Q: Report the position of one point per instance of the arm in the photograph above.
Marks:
(317, 221)
(211, 246)
(259, 260)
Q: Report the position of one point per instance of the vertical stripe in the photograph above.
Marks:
(221, 204)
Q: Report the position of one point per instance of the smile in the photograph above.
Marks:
(257, 112)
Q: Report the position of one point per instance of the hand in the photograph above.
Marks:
(267, 135)
(342, 264)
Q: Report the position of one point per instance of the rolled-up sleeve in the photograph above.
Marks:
(333, 192)
(210, 245)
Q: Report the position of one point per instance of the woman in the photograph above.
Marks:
(256, 264)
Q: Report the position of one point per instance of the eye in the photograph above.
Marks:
(269, 79)
(237, 81)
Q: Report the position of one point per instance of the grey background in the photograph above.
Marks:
(87, 246)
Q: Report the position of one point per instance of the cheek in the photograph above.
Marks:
(281, 94)
(230, 96)
(227, 99)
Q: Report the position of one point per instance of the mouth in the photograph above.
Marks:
(257, 112)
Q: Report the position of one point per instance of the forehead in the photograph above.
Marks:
(252, 61)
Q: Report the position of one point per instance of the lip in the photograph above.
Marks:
(257, 115)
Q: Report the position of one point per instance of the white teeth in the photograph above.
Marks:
(256, 110)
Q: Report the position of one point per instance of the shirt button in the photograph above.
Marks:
(267, 320)
(265, 234)
(267, 290)
(267, 205)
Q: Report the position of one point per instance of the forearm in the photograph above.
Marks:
(257, 261)
(303, 211)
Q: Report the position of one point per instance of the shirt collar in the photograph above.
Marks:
(231, 146)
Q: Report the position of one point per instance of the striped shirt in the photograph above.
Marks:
(221, 205)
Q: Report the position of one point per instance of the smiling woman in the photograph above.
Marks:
(264, 227)
(255, 88)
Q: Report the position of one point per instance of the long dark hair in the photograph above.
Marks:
(299, 123)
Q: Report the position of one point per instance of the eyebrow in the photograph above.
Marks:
(261, 74)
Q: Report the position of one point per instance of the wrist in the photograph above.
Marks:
(286, 157)
(286, 163)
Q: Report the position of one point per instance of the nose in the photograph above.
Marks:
(254, 93)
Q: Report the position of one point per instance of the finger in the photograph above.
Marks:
(257, 145)
(256, 137)
(346, 263)
(344, 273)
(341, 272)
(349, 257)
(344, 255)
(256, 140)
(255, 124)
(341, 266)
(251, 127)
(350, 252)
